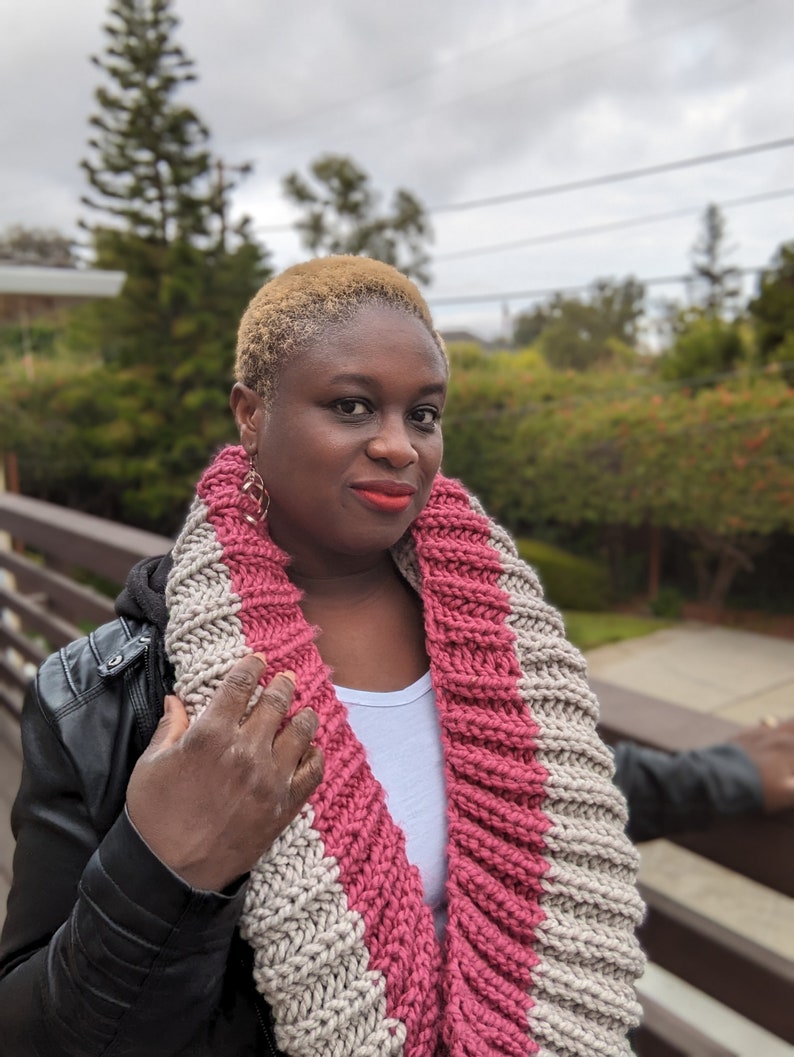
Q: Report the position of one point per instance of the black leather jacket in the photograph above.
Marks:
(104, 949)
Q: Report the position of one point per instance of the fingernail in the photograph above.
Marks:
(290, 675)
(261, 657)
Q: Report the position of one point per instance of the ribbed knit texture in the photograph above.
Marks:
(540, 955)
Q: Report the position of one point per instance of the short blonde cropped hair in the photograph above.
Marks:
(296, 307)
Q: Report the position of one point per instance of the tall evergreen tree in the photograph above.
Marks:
(163, 204)
(715, 284)
(149, 164)
(164, 200)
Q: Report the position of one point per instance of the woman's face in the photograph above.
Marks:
(351, 442)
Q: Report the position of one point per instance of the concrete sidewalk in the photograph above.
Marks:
(735, 675)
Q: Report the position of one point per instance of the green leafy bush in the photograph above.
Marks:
(569, 581)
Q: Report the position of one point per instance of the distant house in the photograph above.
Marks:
(28, 291)
(452, 336)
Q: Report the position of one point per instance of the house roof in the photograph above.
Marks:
(67, 283)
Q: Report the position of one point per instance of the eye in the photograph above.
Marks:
(349, 407)
(426, 416)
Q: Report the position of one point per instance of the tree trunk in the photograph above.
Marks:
(654, 561)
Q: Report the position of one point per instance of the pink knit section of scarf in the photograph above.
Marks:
(494, 783)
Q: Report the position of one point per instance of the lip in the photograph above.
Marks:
(393, 497)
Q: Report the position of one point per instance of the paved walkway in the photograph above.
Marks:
(736, 675)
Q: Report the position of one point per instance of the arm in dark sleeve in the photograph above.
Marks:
(104, 949)
(671, 792)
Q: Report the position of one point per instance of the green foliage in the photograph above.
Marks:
(342, 214)
(111, 442)
(580, 333)
(44, 247)
(543, 448)
(773, 309)
(587, 631)
(569, 582)
(38, 337)
(704, 348)
(668, 603)
(466, 354)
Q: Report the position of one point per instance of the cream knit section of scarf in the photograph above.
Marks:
(540, 954)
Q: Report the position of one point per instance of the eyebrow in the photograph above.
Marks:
(368, 380)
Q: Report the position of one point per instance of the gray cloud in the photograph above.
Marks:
(452, 100)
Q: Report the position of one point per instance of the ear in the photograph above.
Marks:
(249, 409)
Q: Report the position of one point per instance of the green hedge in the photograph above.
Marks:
(570, 582)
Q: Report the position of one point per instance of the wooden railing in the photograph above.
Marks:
(45, 608)
(44, 605)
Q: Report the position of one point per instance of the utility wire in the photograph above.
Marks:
(615, 225)
(549, 291)
(590, 181)
(614, 177)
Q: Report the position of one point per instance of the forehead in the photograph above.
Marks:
(377, 338)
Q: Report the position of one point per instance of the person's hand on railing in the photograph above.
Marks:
(210, 798)
(770, 745)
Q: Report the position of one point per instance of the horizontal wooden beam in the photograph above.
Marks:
(26, 647)
(756, 982)
(671, 1034)
(34, 617)
(66, 598)
(105, 547)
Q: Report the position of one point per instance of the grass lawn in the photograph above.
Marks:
(588, 630)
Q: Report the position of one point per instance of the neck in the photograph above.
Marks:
(359, 581)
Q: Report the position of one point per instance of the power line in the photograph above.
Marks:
(614, 177)
(549, 291)
(589, 181)
(615, 225)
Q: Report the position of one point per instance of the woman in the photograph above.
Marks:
(456, 881)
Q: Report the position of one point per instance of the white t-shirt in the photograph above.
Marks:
(399, 729)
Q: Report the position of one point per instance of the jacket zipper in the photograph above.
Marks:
(258, 1007)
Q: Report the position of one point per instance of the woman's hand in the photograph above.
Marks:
(770, 746)
(210, 798)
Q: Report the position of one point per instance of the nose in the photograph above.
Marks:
(392, 443)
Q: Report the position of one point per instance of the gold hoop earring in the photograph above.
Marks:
(254, 491)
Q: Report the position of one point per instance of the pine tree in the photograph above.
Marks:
(715, 283)
(163, 203)
(149, 165)
(164, 200)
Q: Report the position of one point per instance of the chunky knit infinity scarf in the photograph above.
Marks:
(539, 955)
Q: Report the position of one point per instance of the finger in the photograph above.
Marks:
(271, 708)
(307, 775)
(230, 701)
(295, 738)
(173, 724)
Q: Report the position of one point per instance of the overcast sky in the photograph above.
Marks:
(455, 102)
